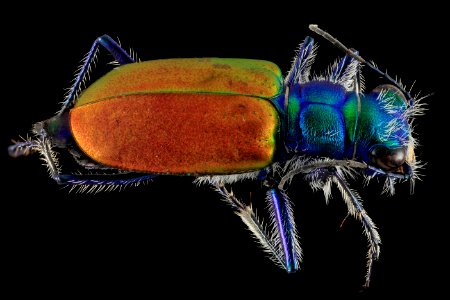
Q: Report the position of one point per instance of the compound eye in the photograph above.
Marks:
(388, 159)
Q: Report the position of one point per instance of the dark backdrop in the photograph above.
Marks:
(171, 236)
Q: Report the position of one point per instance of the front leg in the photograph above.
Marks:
(356, 209)
(322, 173)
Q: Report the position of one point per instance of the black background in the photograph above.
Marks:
(173, 237)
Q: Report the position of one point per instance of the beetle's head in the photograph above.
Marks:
(53, 132)
(384, 137)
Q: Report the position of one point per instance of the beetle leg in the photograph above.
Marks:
(282, 220)
(44, 146)
(302, 63)
(356, 209)
(105, 182)
(339, 70)
(357, 85)
(22, 148)
(248, 216)
(300, 166)
(120, 55)
(88, 183)
(344, 71)
(84, 161)
(279, 238)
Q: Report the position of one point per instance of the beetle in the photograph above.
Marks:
(226, 120)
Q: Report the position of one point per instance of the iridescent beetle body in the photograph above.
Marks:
(225, 120)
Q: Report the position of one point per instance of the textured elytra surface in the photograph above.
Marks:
(178, 133)
(188, 75)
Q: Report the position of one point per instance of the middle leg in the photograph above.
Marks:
(282, 219)
(279, 238)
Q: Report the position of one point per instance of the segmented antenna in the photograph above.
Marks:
(338, 44)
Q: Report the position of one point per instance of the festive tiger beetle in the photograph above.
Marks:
(224, 120)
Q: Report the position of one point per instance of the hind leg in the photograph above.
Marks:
(109, 44)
